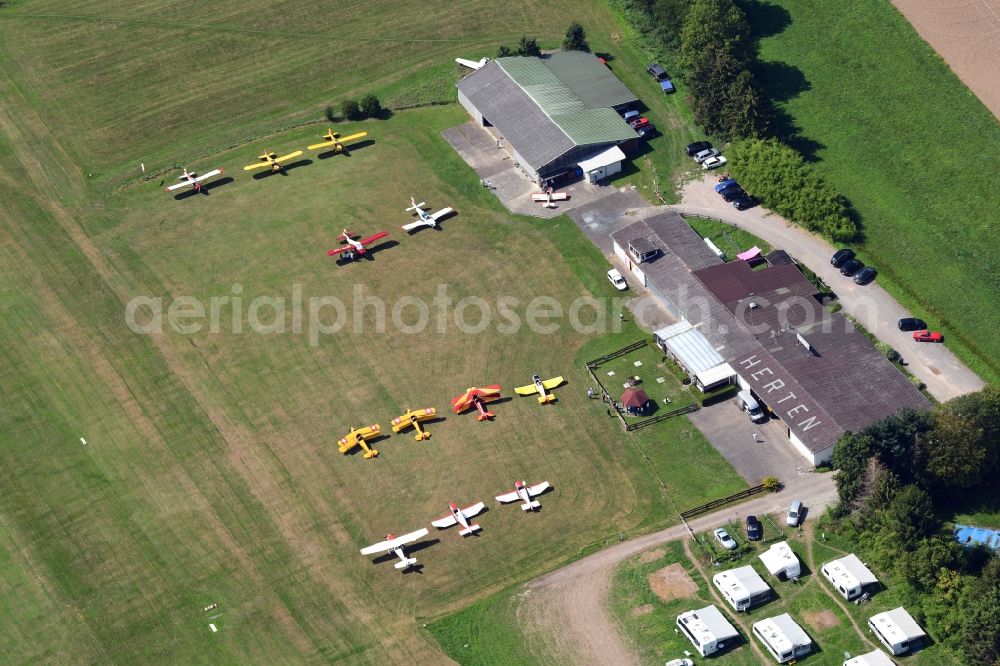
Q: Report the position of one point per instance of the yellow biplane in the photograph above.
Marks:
(333, 140)
(269, 159)
(360, 437)
(413, 417)
(539, 387)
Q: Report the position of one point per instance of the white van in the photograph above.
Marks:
(749, 405)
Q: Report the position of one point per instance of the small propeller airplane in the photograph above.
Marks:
(539, 387)
(413, 417)
(524, 493)
(472, 64)
(548, 199)
(394, 544)
(426, 219)
(354, 248)
(333, 140)
(477, 397)
(461, 517)
(269, 159)
(360, 437)
(194, 180)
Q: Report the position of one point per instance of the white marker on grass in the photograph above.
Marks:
(212, 627)
(83, 441)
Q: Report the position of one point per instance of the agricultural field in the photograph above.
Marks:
(653, 588)
(896, 132)
(149, 476)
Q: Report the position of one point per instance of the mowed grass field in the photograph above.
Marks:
(906, 142)
(210, 473)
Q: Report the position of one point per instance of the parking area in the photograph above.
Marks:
(484, 150)
(731, 432)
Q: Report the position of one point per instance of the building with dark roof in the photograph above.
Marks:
(555, 111)
(810, 368)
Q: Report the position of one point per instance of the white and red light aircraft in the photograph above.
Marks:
(190, 178)
(426, 219)
(460, 516)
(394, 544)
(354, 248)
(523, 492)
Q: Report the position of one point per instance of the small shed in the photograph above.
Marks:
(635, 401)
(602, 165)
(780, 561)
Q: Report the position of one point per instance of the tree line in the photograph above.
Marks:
(895, 480)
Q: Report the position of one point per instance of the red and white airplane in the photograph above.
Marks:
(193, 179)
(460, 516)
(394, 544)
(354, 248)
(524, 493)
(426, 219)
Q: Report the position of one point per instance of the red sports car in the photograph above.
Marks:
(639, 122)
(927, 336)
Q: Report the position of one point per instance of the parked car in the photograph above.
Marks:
(640, 122)
(656, 69)
(725, 183)
(666, 86)
(713, 162)
(840, 257)
(629, 116)
(615, 278)
(928, 336)
(794, 514)
(684, 661)
(911, 324)
(645, 130)
(734, 194)
(865, 275)
(851, 267)
(705, 154)
(723, 537)
(744, 203)
(754, 528)
(693, 149)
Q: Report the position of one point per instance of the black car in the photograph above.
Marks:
(744, 203)
(754, 528)
(656, 69)
(840, 257)
(645, 130)
(865, 275)
(733, 193)
(693, 149)
(911, 324)
(851, 267)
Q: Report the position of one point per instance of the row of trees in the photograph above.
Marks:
(575, 40)
(896, 478)
(785, 183)
(368, 107)
(717, 54)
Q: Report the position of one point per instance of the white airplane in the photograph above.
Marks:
(472, 64)
(426, 219)
(193, 179)
(460, 516)
(394, 544)
(524, 492)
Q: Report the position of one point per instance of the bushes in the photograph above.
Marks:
(576, 38)
(780, 178)
(368, 107)
(350, 109)
(526, 46)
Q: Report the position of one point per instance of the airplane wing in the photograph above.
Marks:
(441, 213)
(259, 165)
(178, 186)
(317, 146)
(526, 390)
(336, 251)
(508, 497)
(289, 156)
(374, 237)
(446, 521)
(471, 64)
(409, 538)
(462, 401)
(473, 510)
(380, 547)
(206, 176)
(538, 488)
(352, 137)
(416, 225)
(552, 383)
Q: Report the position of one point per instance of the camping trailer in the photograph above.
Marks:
(742, 587)
(897, 630)
(707, 629)
(781, 562)
(849, 576)
(873, 658)
(782, 637)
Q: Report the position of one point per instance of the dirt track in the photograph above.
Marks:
(564, 613)
(966, 33)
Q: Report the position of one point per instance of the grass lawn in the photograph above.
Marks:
(895, 131)
(649, 620)
(730, 239)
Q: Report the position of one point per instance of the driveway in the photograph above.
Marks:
(944, 375)
(732, 433)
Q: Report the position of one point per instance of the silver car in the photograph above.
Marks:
(723, 537)
(705, 154)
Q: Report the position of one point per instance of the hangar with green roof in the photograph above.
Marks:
(558, 113)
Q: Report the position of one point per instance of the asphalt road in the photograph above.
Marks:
(944, 375)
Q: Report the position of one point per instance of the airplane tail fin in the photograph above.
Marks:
(408, 562)
(484, 416)
(471, 529)
(530, 506)
(545, 399)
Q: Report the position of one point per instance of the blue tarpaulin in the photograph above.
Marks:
(968, 535)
